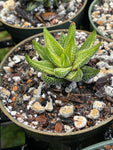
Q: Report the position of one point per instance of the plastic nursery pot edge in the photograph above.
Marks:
(19, 34)
(99, 145)
(47, 136)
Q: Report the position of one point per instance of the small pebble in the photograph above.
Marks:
(38, 107)
(94, 114)
(99, 105)
(80, 122)
(66, 111)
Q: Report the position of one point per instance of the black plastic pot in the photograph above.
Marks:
(54, 138)
(92, 24)
(19, 34)
(99, 145)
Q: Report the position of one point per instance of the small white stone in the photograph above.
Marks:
(68, 128)
(9, 79)
(37, 39)
(10, 107)
(25, 97)
(7, 69)
(66, 111)
(58, 86)
(1, 3)
(25, 123)
(16, 78)
(80, 122)
(43, 95)
(68, 90)
(71, 6)
(61, 10)
(4, 93)
(109, 90)
(59, 102)
(13, 113)
(37, 92)
(73, 85)
(20, 119)
(70, 15)
(9, 5)
(38, 107)
(49, 106)
(94, 114)
(112, 81)
(39, 74)
(35, 123)
(111, 4)
(79, 1)
(11, 64)
(16, 59)
(99, 105)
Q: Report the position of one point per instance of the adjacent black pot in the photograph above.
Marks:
(99, 145)
(19, 34)
(92, 24)
(54, 138)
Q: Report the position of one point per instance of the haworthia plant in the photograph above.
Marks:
(62, 60)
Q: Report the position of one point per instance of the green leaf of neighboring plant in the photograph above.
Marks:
(71, 49)
(65, 61)
(31, 6)
(52, 80)
(44, 65)
(40, 50)
(75, 75)
(54, 58)
(62, 39)
(89, 41)
(61, 72)
(71, 32)
(52, 44)
(89, 72)
(82, 57)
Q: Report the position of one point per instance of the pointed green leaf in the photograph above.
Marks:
(55, 59)
(52, 44)
(52, 80)
(65, 61)
(71, 49)
(89, 41)
(40, 50)
(61, 72)
(75, 75)
(71, 32)
(44, 65)
(82, 57)
(89, 72)
(62, 39)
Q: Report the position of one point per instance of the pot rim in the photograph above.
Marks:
(98, 145)
(39, 131)
(66, 21)
(90, 18)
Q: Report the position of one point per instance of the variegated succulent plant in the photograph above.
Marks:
(62, 60)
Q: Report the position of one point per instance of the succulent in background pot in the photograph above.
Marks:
(72, 98)
(25, 18)
(101, 17)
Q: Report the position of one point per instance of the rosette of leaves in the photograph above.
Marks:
(62, 60)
